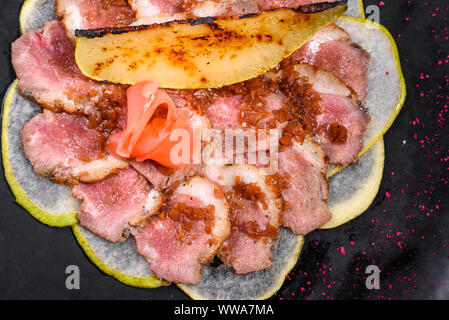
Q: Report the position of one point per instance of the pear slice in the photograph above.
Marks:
(118, 260)
(386, 84)
(35, 12)
(356, 9)
(353, 189)
(223, 283)
(48, 202)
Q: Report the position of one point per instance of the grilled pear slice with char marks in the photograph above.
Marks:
(200, 53)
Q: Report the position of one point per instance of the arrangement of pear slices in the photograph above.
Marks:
(49, 202)
(352, 189)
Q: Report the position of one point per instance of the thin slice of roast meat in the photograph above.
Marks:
(187, 232)
(342, 122)
(93, 14)
(302, 181)
(275, 4)
(230, 111)
(61, 146)
(45, 65)
(240, 115)
(110, 207)
(332, 49)
(159, 11)
(300, 99)
(255, 214)
(163, 178)
(341, 127)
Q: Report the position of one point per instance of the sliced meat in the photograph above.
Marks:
(216, 8)
(45, 65)
(93, 14)
(160, 11)
(304, 188)
(186, 233)
(111, 206)
(255, 214)
(240, 115)
(330, 33)
(341, 127)
(230, 112)
(302, 99)
(275, 4)
(157, 11)
(323, 81)
(147, 8)
(62, 147)
(342, 122)
(163, 178)
(224, 113)
(332, 49)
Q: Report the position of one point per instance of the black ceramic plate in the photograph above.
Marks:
(405, 232)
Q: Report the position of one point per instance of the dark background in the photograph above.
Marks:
(405, 234)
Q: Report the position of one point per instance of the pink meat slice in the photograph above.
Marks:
(45, 65)
(178, 259)
(171, 259)
(341, 111)
(111, 206)
(342, 121)
(255, 215)
(305, 198)
(93, 14)
(157, 11)
(153, 6)
(243, 252)
(224, 112)
(274, 4)
(214, 8)
(61, 146)
(333, 50)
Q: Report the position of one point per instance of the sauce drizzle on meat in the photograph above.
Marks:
(186, 216)
(300, 105)
(337, 133)
(104, 119)
(253, 193)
